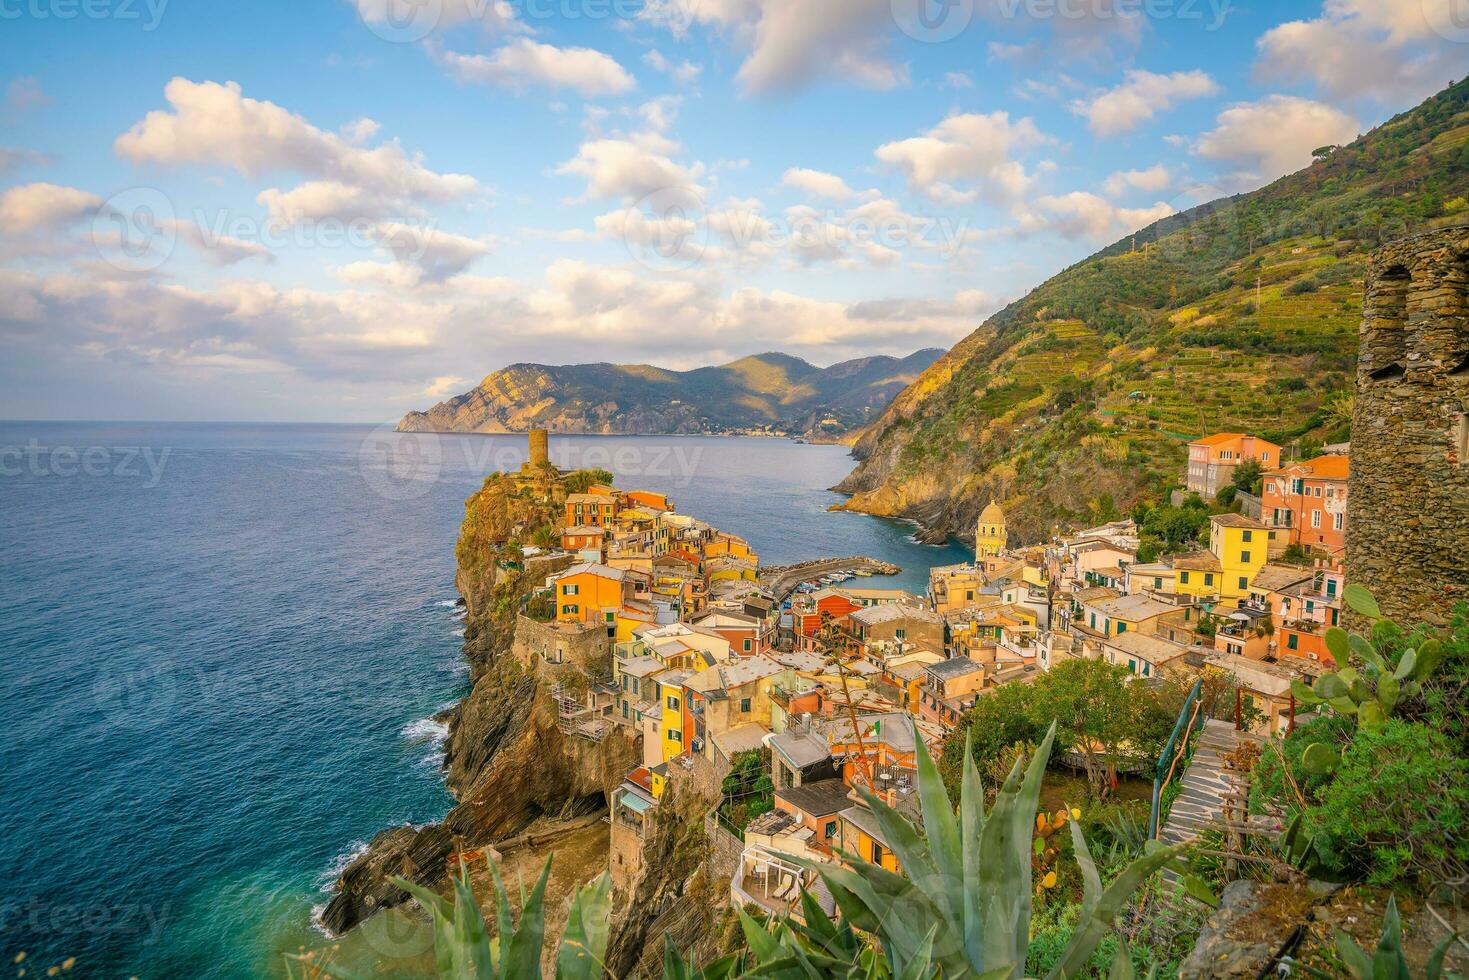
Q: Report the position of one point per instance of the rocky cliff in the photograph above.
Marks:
(507, 761)
(784, 394)
(1078, 400)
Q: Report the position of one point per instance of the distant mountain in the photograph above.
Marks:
(765, 392)
(1077, 401)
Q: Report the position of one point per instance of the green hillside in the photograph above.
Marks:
(1077, 401)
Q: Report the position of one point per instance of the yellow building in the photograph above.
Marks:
(991, 536)
(670, 690)
(1242, 546)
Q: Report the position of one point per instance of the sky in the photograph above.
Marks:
(343, 210)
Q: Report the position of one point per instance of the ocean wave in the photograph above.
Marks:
(328, 878)
(459, 632)
(426, 730)
(447, 603)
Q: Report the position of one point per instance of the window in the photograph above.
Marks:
(571, 590)
(1147, 669)
(611, 617)
(1132, 665)
(745, 705)
(1121, 628)
(1316, 518)
(1249, 536)
(624, 711)
(674, 735)
(1183, 578)
(1338, 521)
(1292, 641)
(901, 634)
(1265, 457)
(1296, 486)
(749, 645)
(569, 610)
(1331, 587)
(1157, 583)
(1244, 556)
(1208, 578)
(1094, 620)
(672, 703)
(1244, 583)
(830, 830)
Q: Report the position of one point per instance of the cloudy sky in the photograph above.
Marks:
(344, 209)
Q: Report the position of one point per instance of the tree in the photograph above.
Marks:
(1246, 475)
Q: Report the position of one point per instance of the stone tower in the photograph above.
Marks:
(1408, 506)
(540, 448)
(991, 536)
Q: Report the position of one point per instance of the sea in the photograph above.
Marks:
(222, 647)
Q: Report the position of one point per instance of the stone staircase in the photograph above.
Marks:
(1200, 805)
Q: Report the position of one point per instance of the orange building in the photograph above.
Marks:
(1308, 500)
(1212, 461)
(590, 593)
(649, 499)
(591, 509)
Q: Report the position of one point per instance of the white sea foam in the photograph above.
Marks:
(328, 878)
(459, 632)
(447, 603)
(431, 733)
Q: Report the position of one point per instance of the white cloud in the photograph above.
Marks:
(15, 157)
(818, 184)
(1085, 216)
(958, 80)
(496, 16)
(1275, 136)
(43, 207)
(25, 93)
(437, 254)
(1394, 51)
(972, 148)
(220, 250)
(1141, 96)
(684, 72)
(319, 199)
(791, 45)
(629, 168)
(1151, 180)
(361, 130)
(524, 61)
(213, 124)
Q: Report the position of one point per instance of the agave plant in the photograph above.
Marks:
(963, 899)
(465, 950)
(1371, 694)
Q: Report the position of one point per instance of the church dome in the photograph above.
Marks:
(992, 514)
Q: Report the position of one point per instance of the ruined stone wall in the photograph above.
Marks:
(552, 644)
(1408, 506)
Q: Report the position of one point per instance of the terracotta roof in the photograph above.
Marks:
(1219, 439)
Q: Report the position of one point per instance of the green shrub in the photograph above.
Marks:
(1397, 808)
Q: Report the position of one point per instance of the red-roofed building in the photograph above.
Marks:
(1306, 503)
(1212, 460)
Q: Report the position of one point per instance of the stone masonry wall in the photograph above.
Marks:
(553, 644)
(1408, 506)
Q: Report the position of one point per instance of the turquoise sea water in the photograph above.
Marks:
(221, 645)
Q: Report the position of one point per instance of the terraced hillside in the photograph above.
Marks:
(1077, 401)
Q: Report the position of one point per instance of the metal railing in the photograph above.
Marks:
(1173, 751)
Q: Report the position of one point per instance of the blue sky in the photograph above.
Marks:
(344, 209)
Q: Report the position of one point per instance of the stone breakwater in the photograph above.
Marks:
(783, 579)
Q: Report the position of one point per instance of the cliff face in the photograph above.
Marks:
(774, 390)
(507, 762)
(1078, 400)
